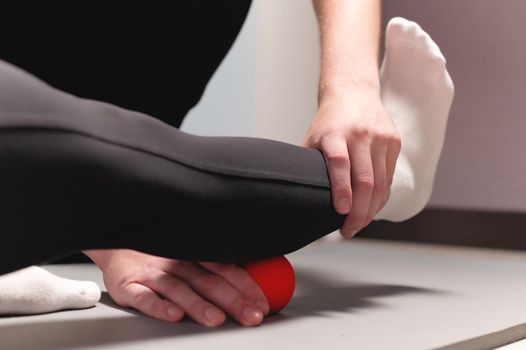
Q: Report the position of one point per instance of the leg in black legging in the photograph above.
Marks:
(78, 174)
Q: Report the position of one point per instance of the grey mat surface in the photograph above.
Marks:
(358, 294)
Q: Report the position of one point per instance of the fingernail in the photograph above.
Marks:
(344, 206)
(252, 315)
(263, 305)
(212, 315)
(172, 312)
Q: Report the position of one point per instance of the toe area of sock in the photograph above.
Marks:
(77, 295)
(401, 31)
(88, 294)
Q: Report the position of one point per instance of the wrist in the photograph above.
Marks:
(363, 89)
(329, 90)
(101, 257)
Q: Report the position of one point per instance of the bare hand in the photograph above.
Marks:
(361, 145)
(168, 289)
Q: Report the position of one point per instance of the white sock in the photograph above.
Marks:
(33, 290)
(417, 92)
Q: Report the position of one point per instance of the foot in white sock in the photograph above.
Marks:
(417, 92)
(34, 290)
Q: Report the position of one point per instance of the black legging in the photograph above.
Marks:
(155, 57)
(150, 56)
(81, 174)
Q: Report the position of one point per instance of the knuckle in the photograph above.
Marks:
(198, 305)
(395, 136)
(329, 140)
(329, 135)
(173, 283)
(208, 282)
(365, 182)
(381, 187)
(141, 298)
(343, 190)
(395, 140)
(151, 277)
(338, 159)
(179, 264)
(227, 268)
(361, 132)
(387, 137)
(382, 136)
(311, 141)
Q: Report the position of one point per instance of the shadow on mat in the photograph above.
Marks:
(318, 295)
(321, 295)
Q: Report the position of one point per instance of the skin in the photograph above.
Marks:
(360, 144)
(167, 289)
(352, 128)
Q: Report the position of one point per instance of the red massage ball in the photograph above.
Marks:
(275, 277)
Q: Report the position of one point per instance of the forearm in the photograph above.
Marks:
(350, 34)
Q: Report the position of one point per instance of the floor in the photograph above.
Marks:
(357, 294)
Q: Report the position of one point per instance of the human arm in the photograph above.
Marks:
(352, 128)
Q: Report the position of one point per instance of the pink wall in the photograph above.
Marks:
(484, 160)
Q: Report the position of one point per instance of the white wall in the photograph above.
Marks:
(227, 106)
(287, 69)
(266, 86)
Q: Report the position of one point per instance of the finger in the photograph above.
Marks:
(384, 201)
(178, 292)
(149, 303)
(240, 279)
(380, 190)
(336, 156)
(220, 292)
(362, 179)
(393, 151)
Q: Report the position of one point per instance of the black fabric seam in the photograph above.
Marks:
(199, 167)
